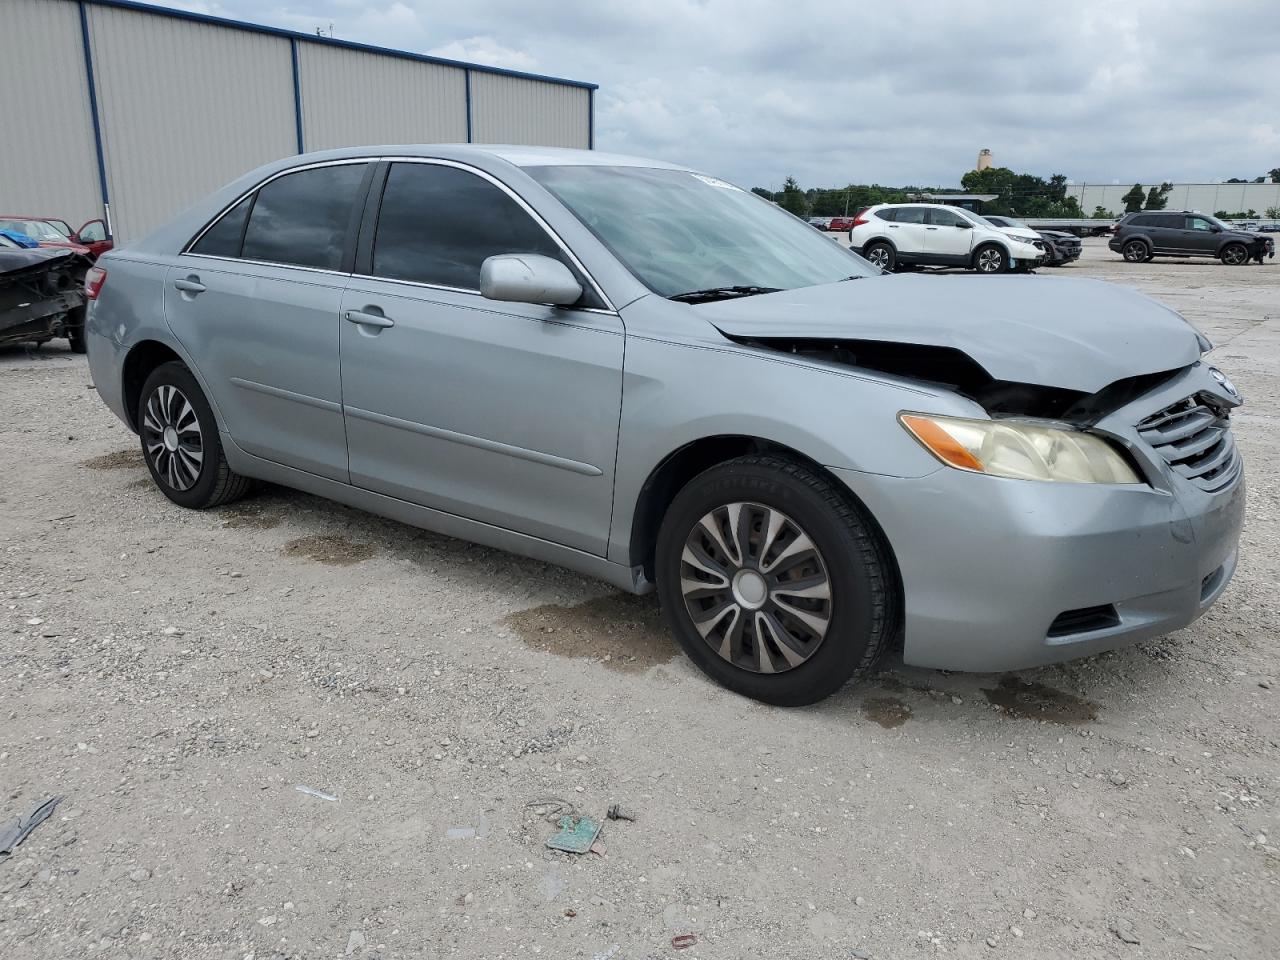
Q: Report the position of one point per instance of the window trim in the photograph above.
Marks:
(377, 177)
(520, 202)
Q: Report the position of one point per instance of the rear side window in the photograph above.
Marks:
(888, 213)
(223, 238)
(911, 215)
(1148, 220)
(302, 219)
(438, 224)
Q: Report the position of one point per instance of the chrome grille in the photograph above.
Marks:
(1195, 439)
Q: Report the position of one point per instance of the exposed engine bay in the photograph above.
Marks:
(953, 369)
(42, 296)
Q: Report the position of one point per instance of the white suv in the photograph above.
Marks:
(893, 235)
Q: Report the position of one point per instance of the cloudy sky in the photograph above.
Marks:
(899, 93)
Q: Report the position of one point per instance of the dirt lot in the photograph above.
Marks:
(175, 675)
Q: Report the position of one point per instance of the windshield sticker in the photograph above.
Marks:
(713, 182)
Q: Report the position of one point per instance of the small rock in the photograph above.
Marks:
(1118, 779)
(140, 874)
(957, 700)
(267, 921)
(1124, 930)
(355, 942)
(1260, 839)
(859, 901)
(34, 622)
(1265, 684)
(991, 941)
(1016, 931)
(1029, 914)
(236, 574)
(171, 632)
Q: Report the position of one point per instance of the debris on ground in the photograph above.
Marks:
(577, 832)
(461, 833)
(17, 829)
(1124, 930)
(684, 941)
(618, 812)
(313, 792)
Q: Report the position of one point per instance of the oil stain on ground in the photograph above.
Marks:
(1026, 698)
(120, 460)
(621, 631)
(889, 712)
(248, 514)
(329, 549)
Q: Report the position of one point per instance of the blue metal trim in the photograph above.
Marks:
(332, 42)
(468, 76)
(591, 119)
(297, 95)
(93, 112)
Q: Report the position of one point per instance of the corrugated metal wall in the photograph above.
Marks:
(48, 164)
(516, 110)
(185, 107)
(350, 98)
(1205, 197)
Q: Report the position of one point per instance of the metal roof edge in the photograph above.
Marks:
(296, 35)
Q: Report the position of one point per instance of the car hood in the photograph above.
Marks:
(1077, 334)
(13, 261)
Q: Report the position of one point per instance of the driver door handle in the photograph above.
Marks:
(190, 285)
(368, 319)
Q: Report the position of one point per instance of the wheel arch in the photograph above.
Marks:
(681, 465)
(878, 239)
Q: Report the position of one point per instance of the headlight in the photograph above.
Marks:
(1023, 451)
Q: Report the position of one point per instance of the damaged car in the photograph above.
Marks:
(651, 376)
(41, 295)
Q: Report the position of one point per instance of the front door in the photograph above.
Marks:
(948, 237)
(94, 236)
(504, 413)
(256, 301)
(1199, 237)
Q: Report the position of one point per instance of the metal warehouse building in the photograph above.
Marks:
(130, 112)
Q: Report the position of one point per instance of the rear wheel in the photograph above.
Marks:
(180, 441)
(990, 259)
(75, 330)
(1136, 251)
(1235, 254)
(881, 255)
(774, 581)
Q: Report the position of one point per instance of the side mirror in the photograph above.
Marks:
(964, 225)
(528, 278)
(1216, 229)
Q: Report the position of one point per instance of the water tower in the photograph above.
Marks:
(984, 159)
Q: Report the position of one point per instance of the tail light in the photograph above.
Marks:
(861, 218)
(94, 278)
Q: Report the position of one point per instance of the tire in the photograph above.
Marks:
(188, 465)
(881, 254)
(1235, 255)
(990, 258)
(75, 331)
(1136, 251)
(844, 634)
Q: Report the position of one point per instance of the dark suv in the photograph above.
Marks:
(1141, 236)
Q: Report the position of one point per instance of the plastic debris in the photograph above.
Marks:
(618, 812)
(684, 941)
(313, 792)
(576, 834)
(608, 954)
(461, 833)
(17, 829)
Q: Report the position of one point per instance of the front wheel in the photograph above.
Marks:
(774, 581)
(990, 259)
(180, 441)
(1235, 255)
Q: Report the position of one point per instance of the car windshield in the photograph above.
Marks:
(681, 232)
(35, 229)
(1006, 222)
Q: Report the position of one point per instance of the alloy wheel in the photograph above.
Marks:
(756, 587)
(1135, 252)
(1235, 255)
(879, 257)
(172, 438)
(990, 260)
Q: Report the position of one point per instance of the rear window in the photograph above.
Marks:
(223, 238)
(888, 213)
(302, 219)
(911, 214)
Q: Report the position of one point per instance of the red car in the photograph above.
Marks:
(840, 223)
(91, 239)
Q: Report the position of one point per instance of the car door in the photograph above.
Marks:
(948, 236)
(908, 232)
(505, 413)
(94, 236)
(1199, 237)
(255, 301)
(1164, 230)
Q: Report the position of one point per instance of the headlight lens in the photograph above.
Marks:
(1023, 451)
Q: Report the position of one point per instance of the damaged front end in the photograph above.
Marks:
(952, 369)
(42, 296)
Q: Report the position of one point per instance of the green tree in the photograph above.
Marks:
(1274, 174)
(1273, 213)
(1133, 199)
(762, 192)
(1102, 213)
(792, 198)
(1158, 197)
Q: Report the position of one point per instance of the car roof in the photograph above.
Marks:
(515, 154)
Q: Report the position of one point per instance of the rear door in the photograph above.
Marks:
(255, 302)
(1165, 231)
(908, 232)
(506, 413)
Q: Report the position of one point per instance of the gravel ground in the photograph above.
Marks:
(175, 675)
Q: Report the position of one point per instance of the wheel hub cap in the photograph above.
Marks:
(171, 437)
(756, 587)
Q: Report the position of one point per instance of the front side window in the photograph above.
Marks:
(302, 219)
(680, 232)
(945, 218)
(438, 224)
(1199, 223)
(94, 231)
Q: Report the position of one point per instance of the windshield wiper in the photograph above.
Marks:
(721, 293)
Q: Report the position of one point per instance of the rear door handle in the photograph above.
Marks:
(931, 228)
(368, 319)
(190, 285)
